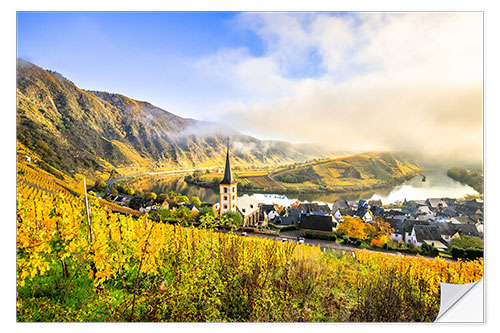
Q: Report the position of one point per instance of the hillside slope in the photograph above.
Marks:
(100, 133)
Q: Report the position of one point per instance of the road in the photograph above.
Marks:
(110, 182)
(329, 245)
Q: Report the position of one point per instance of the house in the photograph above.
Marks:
(449, 211)
(287, 220)
(408, 228)
(397, 234)
(249, 209)
(436, 204)
(429, 218)
(338, 215)
(364, 212)
(449, 231)
(429, 234)
(342, 206)
(294, 213)
(414, 203)
(265, 209)
(462, 220)
(272, 216)
(423, 210)
(320, 224)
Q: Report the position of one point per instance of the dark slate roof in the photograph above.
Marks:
(316, 222)
(397, 225)
(449, 212)
(308, 207)
(228, 175)
(378, 211)
(464, 220)
(468, 230)
(362, 203)
(361, 211)
(427, 232)
(436, 202)
(341, 205)
(287, 220)
(324, 208)
(266, 208)
(450, 229)
(409, 224)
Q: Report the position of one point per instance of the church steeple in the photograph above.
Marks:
(228, 175)
(228, 188)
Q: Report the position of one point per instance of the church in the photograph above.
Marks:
(247, 206)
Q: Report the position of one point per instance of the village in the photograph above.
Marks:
(430, 222)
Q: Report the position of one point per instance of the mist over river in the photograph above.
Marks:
(436, 185)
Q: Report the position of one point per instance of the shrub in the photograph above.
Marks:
(473, 253)
(457, 252)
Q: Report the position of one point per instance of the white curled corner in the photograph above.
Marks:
(462, 303)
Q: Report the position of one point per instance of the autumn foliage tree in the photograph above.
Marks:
(354, 227)
(380, 231)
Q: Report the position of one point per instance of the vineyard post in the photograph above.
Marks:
(87, 208)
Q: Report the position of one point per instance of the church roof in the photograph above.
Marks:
(228, 175)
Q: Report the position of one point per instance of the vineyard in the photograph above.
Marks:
(119, 267)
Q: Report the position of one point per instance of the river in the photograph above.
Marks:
(437, 185)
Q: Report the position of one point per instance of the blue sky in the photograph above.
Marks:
(144, 55)
(333, 79)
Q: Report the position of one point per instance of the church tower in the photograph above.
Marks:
(227, 188)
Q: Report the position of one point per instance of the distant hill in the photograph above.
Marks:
(100, 133)
(363, 170)
(351, 173)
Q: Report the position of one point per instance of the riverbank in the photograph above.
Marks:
(320, 189)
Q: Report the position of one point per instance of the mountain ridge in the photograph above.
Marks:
(78, 130)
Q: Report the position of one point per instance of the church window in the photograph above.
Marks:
(225, 189)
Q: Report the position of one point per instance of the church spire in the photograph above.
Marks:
(228, 175)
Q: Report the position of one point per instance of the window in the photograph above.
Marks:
(251, 206)
(234, 188)
(225, 206)
(233, 197)
(243, 210)
(225, 189)
(225, 197)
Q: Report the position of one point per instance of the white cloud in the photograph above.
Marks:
(409, 81)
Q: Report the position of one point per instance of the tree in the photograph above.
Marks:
(182, 198)
(149, 195)
(231, 220)
(100, 186)
(205, 211)
(114, 191)
(162, 215)
(196, 201)
(182, 214)
(129, 191)
(466, 242)
(139, 193)
(207, 221)
(354, 227)
(380, 230)
(162, 197)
